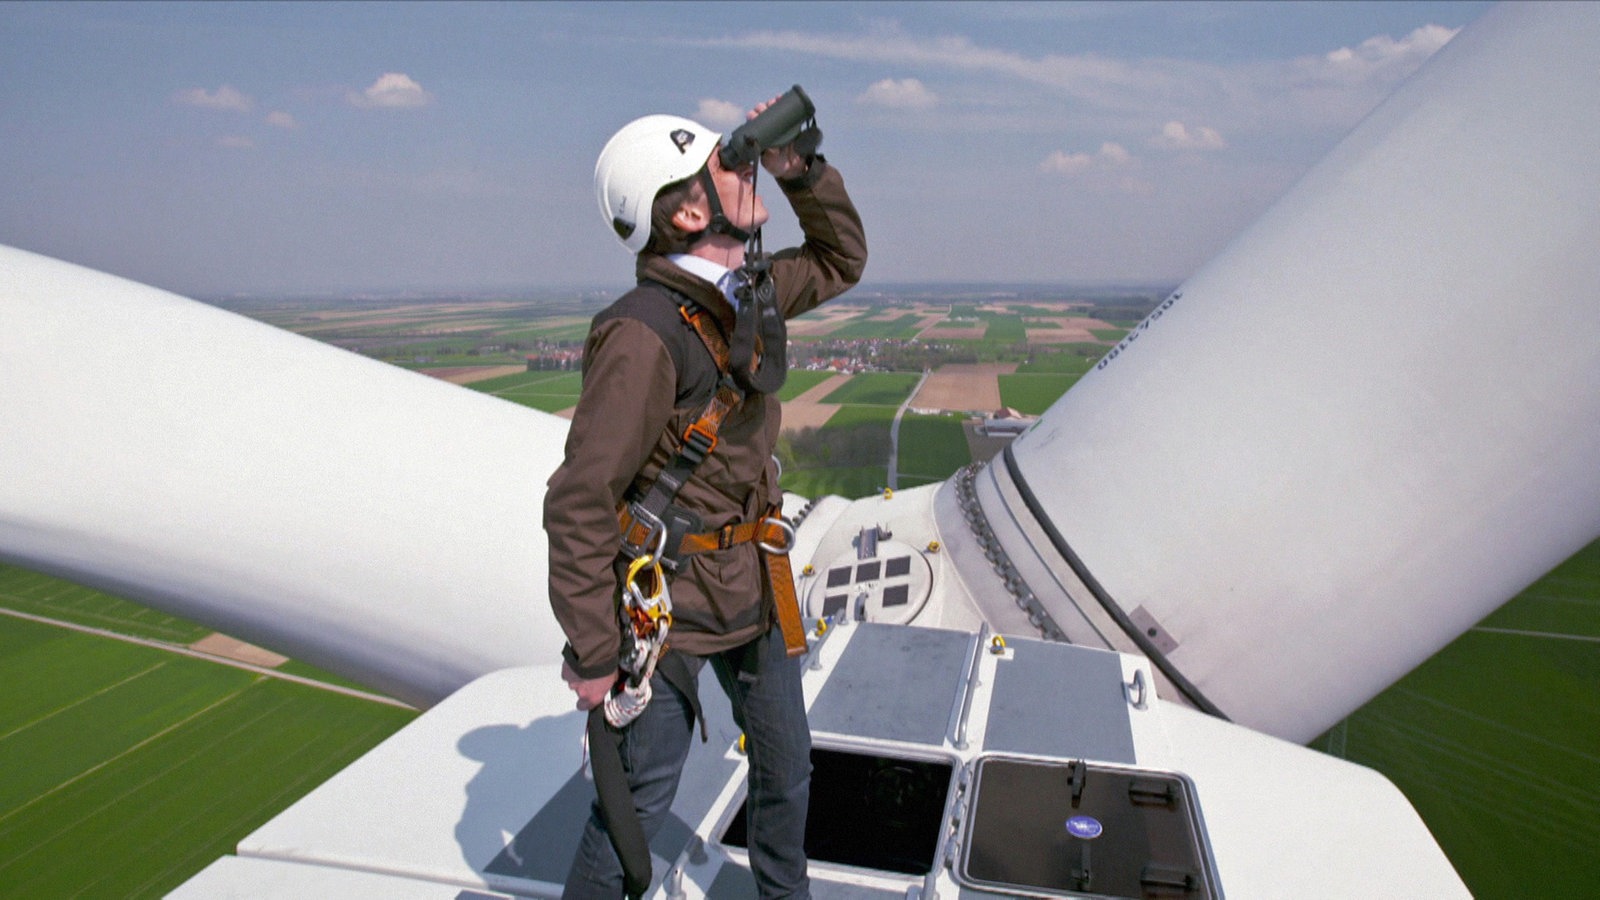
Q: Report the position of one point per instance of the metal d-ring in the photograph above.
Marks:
(788, 536)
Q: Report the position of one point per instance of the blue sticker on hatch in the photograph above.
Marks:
(1086, 827)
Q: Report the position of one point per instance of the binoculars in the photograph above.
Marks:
(777, 125)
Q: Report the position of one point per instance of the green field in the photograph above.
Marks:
(846, 481)
(860, 329)
(1005, 329)
(876, 389)
(1493, 740)
(549, 391)
(130, 768)
(1033, 394)
(799, 381)
(857, 416)
(41, 595)
(557, 331)
(932, 448)
(1068, 359)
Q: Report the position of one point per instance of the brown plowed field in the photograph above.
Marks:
(218, 644)
(963, 387)
(469, 374)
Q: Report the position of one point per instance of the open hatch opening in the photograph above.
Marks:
(872, 812)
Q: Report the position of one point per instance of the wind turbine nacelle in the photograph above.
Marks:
(1368, 423)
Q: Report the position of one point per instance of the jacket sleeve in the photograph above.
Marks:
(834, 253)
(627, 399)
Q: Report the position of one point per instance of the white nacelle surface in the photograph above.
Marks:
(480, 792)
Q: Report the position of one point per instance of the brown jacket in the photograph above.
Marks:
(634, 406)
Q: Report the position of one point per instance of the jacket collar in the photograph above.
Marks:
(657, 268)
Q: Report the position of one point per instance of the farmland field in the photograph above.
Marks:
(31, 592)
(548, 391)
(846, 481)
(1493, 740)
(1070, 359)
(1032, 394)
(932, 448)
(799, 381)
(1005, 330)
(128, 768)
(875, 388)
(905, 326)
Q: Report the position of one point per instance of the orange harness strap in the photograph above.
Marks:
(780, 580)
(704, 429)
(773, 538)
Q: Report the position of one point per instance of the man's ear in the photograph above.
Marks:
(693, 215)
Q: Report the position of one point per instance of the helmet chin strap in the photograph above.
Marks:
(719, 220)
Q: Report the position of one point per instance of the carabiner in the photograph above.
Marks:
(656, 609)
(637, 566)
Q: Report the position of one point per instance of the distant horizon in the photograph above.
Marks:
(566, 290)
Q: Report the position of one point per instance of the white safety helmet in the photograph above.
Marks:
(645, 156)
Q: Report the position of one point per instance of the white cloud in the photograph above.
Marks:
(392, 90)
(907, 93)
(1383, 50)
(280, 119)
(1114, 154)
(1091, 78)
(1325, 91)
(226, 97)
(1063, 163)
(1111, 156)
(1339, 87)
(719, 114)
(1178, 136)
(236, 142)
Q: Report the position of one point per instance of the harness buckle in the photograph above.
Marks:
(701, 438)
(654, 544)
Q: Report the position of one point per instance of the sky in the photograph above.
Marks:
(286, 148)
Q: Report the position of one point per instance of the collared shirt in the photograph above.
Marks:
(724, 278)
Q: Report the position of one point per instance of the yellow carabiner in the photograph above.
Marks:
(631, 582)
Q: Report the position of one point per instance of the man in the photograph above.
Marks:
(648, 376)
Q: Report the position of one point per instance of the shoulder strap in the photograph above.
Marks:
(656, 307)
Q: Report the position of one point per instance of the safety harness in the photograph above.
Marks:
(653, 527)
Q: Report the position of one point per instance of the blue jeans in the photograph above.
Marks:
(764, 691)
